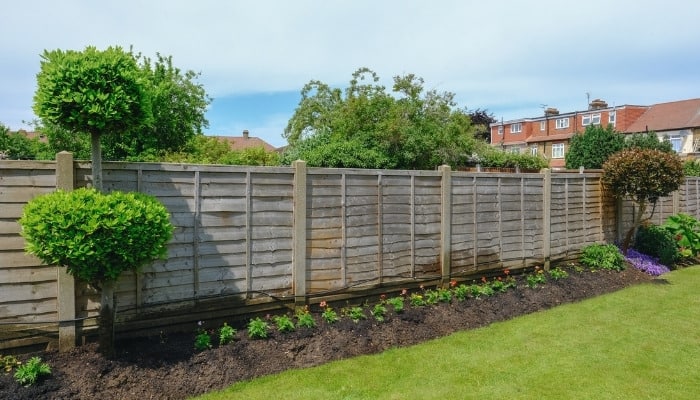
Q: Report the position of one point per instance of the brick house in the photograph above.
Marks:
(246, 141)
(549, 135)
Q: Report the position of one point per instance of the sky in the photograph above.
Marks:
(510, 58)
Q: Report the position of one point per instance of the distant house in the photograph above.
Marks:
(549, 135)
(246, 141)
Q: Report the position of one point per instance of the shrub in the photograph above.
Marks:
(258, 329)
(27, 374)
(685, 231)
(226, 334)
(96, 236)
(603, 256)
(657, 242)
(202, 341)
(305, 319)
(284, 323)
(691, 168)
(591, 148)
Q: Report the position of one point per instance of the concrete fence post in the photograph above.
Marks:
(299, 234)
(66, 283)
(446, 222)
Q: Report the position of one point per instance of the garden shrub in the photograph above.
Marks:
(96, 236)
(657, 242)
(603, 256)
(685, 232)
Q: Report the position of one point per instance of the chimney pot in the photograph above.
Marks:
(245, 134)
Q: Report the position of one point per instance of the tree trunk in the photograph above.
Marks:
(96, 152)
(106, 327)
(636, 223)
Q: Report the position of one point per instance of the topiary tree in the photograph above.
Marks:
(591, 148)
(94, 92)
(643, 176)
(97, 237)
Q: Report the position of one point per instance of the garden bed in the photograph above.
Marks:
(170, 368)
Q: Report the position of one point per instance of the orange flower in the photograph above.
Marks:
(506, 271)
(404, 292)
(382, 297)
(453, 283)
(483, 279)
(323, 304)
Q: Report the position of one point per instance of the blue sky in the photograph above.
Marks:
(507, 57)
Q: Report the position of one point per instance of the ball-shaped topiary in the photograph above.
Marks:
(96, 236)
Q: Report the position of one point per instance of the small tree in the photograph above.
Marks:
(96, 237)
(591, 148)
(648, 140)
(643, 176)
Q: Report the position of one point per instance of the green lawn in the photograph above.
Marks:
(639, 343)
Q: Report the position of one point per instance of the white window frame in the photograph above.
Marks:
(514, 149)
(516, 127)
(595, 119)
(500, 129)
(562, 123)
(543, 125)
(676, 143)
(612, 115)
(533, 150)
(586, 119)
(558, 150)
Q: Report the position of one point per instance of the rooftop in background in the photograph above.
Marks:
(246, 141)
(681, 114)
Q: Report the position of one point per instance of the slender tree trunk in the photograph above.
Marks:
(106, 328)
(635, 224)
(96, 152)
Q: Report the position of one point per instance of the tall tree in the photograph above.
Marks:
(94, 92)
(591, 148)
(482, 120)
(366, 127)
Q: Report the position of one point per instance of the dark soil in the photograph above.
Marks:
(170, 368)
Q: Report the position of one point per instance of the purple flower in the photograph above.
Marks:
(645, 263)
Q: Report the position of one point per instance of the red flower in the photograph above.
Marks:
(382, 297)
(483, 279)
(453, 283)
(506, 271)
(323, 304)
(404, 292)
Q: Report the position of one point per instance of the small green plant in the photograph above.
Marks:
(558, 273)
(498, 285)
(396, 303)
(603, 256)
(536, 277)
(305, 319)
(329, 315)
(226, 334)
(258, 329)
(485, 290)
(379, 312)
(686, 231)
(28, 373)
(355, 313)
(202, 340)
(659, 242)
(461, 292)
(284, 323)
(9, 362)
(417, 300)
(444, 295)
(431, 297)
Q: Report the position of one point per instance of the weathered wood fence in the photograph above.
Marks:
(255, 238)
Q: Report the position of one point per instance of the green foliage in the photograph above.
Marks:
(202, 341)
(558, 273)
(7, 363)
(91, 91)
(417, 300)
(17, 146)
(178, 105)
(379, 312)
(96, 236)
(648, 140)
(226, 334)
(691, 167)
(212, 150)
(28, 373)
(329, 315)
(657, 242)
(305, 319)
(603, 256)
(643, 174)
(461, 292)
(258, 329)
(685, 231)
(397, 303)
(536, 277)
(592, 148)
(284, 323)
(355, 313)
(366, 127)
(496, 158)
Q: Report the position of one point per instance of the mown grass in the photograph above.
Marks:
(639, 343)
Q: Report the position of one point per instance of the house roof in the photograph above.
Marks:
(668, 116)
(246, 141)
(550, 138)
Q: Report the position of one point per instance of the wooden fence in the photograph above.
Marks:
(249, 239)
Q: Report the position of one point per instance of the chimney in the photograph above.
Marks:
(550, 112)
(597, 104)
(245, 134)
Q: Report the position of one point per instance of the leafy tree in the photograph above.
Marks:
(178, 105)
(366, 127)
(482, 120)
(17, 146)
(648, 140)
(591, 148)
(643, 176)
(212, 150)
(94, 92)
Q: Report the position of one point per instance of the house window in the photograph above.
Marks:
(516, 128)
(562, 123)
(533, 150)
(515, 150)
(591, 119)
(558, 150)
(676, 143)
(500, 129)
(611, 117)
(543, 125)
